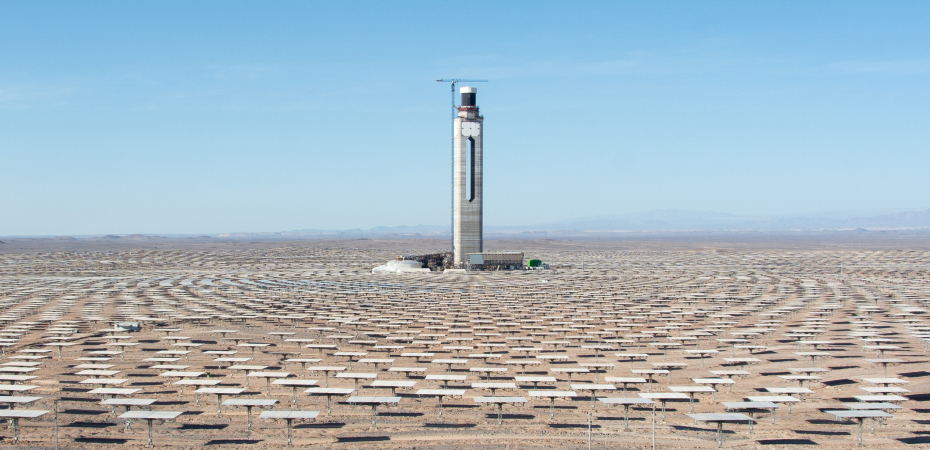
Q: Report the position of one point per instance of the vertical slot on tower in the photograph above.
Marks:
(470, 169)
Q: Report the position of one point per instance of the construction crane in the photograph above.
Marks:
(453, 82)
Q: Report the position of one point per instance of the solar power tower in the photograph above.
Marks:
(467, 214)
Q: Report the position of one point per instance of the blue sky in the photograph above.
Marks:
(205, 117)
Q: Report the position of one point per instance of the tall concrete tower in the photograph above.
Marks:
(467, 214)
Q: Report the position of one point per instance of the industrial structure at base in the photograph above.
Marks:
(485, 261)
(467, 205)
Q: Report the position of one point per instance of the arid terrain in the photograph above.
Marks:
(843, 318)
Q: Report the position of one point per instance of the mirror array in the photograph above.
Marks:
(305, 346)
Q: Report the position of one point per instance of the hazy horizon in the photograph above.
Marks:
(687, 221)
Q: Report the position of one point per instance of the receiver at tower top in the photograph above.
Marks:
(467, 214)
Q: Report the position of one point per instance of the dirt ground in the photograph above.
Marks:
(631, 298)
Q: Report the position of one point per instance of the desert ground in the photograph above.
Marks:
(828, 326)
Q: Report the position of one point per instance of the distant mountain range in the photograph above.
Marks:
(675, 219)
(670, 220)
(658, 220)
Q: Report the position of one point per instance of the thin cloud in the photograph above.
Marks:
(894, 67)
(24, 96)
